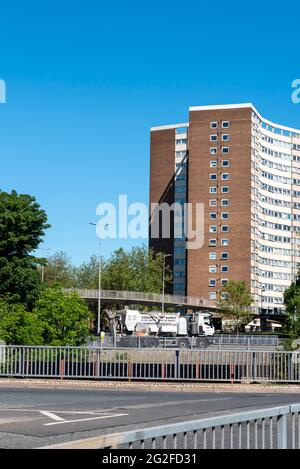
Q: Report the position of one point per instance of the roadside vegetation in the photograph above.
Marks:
(236, 305)
(35, 309)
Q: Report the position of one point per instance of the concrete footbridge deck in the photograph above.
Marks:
(147, 299)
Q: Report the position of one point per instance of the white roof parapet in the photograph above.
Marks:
(222, 106)
(243, 106)
(227, 106)
(166, 127)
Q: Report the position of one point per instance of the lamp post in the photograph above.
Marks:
(43, 267)
(99, 282)
(261, 300)
(262, 321)
(163, 282)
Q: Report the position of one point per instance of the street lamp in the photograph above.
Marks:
(261, 299)
(263, 322)
(43, 267)
(99, 281)
(163, 283)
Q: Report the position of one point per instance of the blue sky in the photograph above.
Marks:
(87, 79)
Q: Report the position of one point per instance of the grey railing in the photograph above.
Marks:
(270, 428)
(216, 342)
(150, 364)
(146, 298)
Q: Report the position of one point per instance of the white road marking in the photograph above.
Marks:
(51, 415)
(85, 420)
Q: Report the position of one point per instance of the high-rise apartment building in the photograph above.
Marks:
(246, 171)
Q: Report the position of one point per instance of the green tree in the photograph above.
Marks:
(58, 269)
(235, 306)
(22, 226)
(87, 274)
(139, 269)
(292, 306)
(18, 326)
(65, 318)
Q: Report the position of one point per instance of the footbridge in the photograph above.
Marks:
(147, 299)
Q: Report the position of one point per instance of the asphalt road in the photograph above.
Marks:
(31, 418)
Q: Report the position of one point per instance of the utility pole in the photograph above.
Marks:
(163, 282)
(43, 267)
(99, 282)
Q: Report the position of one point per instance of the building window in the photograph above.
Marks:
(213, 216)
(213, 202)
(179, 286)
(179, 250)
(212, 229)
(224, 295)
(225, 150)
(212, 242)
(225, 189)
(212, 282)
(181, 141)
(225, 216)
(225, 202)
(225, 138)
(224, 282)
(213, 151)
(225, 163)
(179, 262)
(213, 189)
(213, 164)
(224, 242)
(224, 256)
(212, 269)
(214, 138)
(225, 176)
(225, 124)
(179, 274)
(224, 269)
(213, 177)
(214, 125)
(180, 189)
(212, 256)
(224, 228)
(212, 295)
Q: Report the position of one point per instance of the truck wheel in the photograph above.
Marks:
(201, 343)
(183, 343)
(151, 343)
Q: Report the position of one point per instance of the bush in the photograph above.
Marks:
(18, 326)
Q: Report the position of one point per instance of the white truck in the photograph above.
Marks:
(155, 329)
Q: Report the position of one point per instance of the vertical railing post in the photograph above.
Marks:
(282, 432)
(177, 365)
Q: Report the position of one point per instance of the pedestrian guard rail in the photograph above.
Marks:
(269, 428)
(150, 364)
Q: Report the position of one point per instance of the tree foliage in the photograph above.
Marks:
(64, 317)
(139, 269)
(292, 306)
(59, 270)
(22, 226)
(86, 275)
(18, 326)
(236, 304)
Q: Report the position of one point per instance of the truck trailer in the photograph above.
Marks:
(155, 329)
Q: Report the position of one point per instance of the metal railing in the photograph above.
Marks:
(146, 298)
(150, 364)
(217, 342)
(270, 428)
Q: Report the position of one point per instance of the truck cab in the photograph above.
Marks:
(201, 324)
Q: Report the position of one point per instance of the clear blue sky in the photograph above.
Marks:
(87, 79)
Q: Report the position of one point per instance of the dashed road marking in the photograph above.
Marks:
(51, 415)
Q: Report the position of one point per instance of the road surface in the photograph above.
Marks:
(32, 417)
